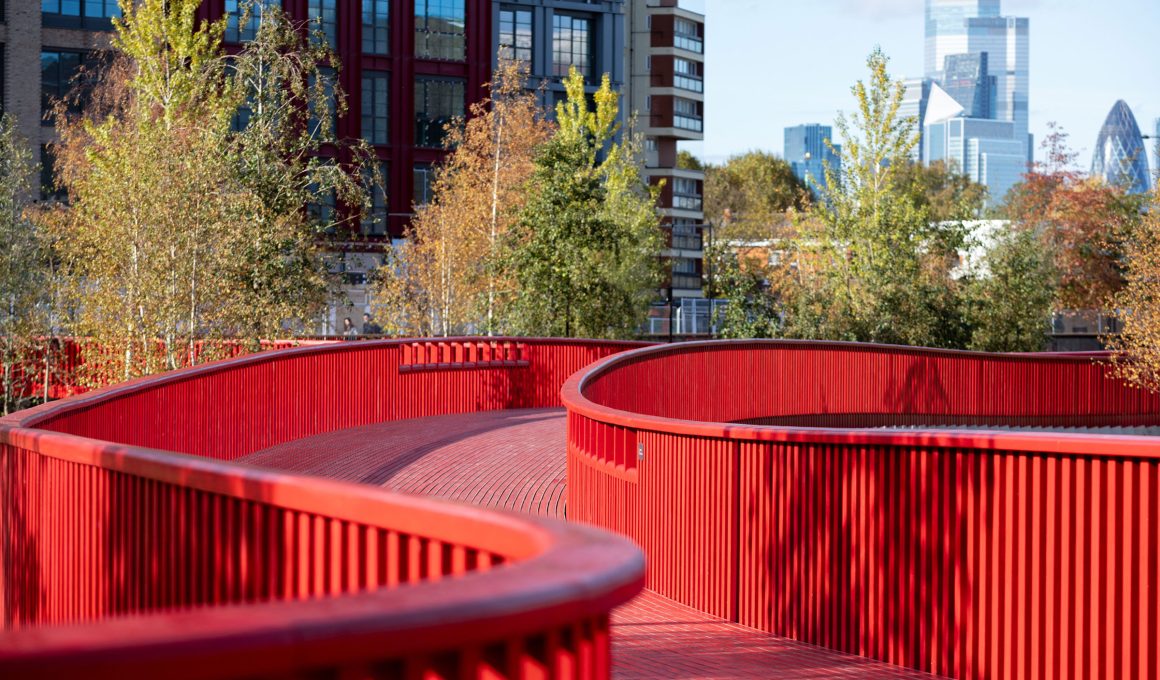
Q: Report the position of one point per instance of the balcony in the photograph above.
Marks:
(678, 29)
(682, 190)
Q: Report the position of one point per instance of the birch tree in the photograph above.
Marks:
(584, 253)
(283, 89)
(25, 279)
(182, 230)
(447, 278)
(875, 267)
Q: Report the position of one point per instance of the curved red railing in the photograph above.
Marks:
(123, 556)
(969, 553)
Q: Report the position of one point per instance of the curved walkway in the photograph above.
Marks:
(516, 460)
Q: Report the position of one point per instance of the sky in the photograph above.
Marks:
(772, 64)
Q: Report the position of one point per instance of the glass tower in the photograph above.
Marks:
(808, 154)
(975, 27)
(1156, 150)
(987, 151)
(946, 29)
(1120, 156)
(966, 79)
(914, 106)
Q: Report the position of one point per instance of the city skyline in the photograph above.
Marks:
(810, 78)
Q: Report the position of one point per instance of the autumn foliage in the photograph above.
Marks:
(445, 279)
(1081, 221)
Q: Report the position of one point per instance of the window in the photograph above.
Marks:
(422, 176)
(438, 102)
(515, 35)
(57, 70)
(376, 26)
(687, 75)
(650, 143)
(326, 126)
(241, 118)
(687, 36)
(49, 191)
(684, 273)
(375, 222)
(439, 30)
(321, 209)
(79, 13)
(236, 10)
(572, 45)
(374, 107)
(686, 235)
(686, 195)
(686, 114)
(325, 13)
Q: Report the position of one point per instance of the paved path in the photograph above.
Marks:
(515, 460)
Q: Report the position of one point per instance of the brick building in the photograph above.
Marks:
(410, 66)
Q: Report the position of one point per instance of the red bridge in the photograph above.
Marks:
(804, 509)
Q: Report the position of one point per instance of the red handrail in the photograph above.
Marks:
(121, 559)
(969, 553)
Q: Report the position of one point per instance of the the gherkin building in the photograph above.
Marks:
(1120, 157)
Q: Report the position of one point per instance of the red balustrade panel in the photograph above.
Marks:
(972, 554)
(170, 565)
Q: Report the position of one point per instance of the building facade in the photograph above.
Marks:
(408, 68)
(43, 45)
(665, 57)
(987, 151)
(914, 101)
(1120, 156)
(1156, 150)
(966, 80)
(550, 36)
(809, 150)
(982, 60)
(947, 30)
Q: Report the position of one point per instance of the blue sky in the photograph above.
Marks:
(770, 64)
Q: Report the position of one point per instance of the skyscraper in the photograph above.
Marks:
(979, 60)
(966, 79)
(914, 102)
(808, 154)
(1156, 150)
(947, 30)
(985, 150)
(1120, 156)
(1005, 42)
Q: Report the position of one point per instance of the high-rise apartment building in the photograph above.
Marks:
(665, 57)
(808, 151)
